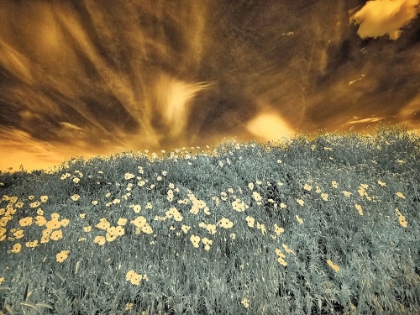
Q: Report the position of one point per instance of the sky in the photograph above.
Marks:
(89, 78)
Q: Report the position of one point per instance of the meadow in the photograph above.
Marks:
(321, 225)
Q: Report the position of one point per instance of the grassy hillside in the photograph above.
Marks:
(329, 225)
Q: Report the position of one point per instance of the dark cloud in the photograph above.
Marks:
(89, 77)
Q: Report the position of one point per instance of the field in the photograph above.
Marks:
(329, 225)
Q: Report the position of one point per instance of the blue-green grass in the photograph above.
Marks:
(321, 225)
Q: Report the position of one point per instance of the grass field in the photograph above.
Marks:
(329, 225)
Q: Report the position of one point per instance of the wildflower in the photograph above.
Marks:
(211, 228)
(44, 199)
(178, 217)
(278, 230)
(400, 194)
(257, 197)
(135, 279)
(122, 221)
(158, 218)
(136, 208)
(281, 257)
(171, 212)
(15, 249)
(34, 204)
(195, 240)
(239, 205)
(347, 193)
(14, 199)
(32, 244)
(333, 266)
(359, 208)
(26, 221)
(4, 220)
(287, 249)
(119, 230)
(300, 201)
(56, 235)
(251, 186)
(299, 219)
(46, 232)
(80, 173)
(128, 176)
(402, 221)
(401, 218)
(111, 234)
(139, 221)
(225, 223)
(250, 221)
(307, 187)
(381, 183)
(103, 224)
(185, 228)
(100, 240)
(245, 302)
(62, 256)
(201, 204)
(207, 242)
(261, 227)
(18, 234)
(216, 200)
(55, 216)
(128, 306)
(75, 197)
